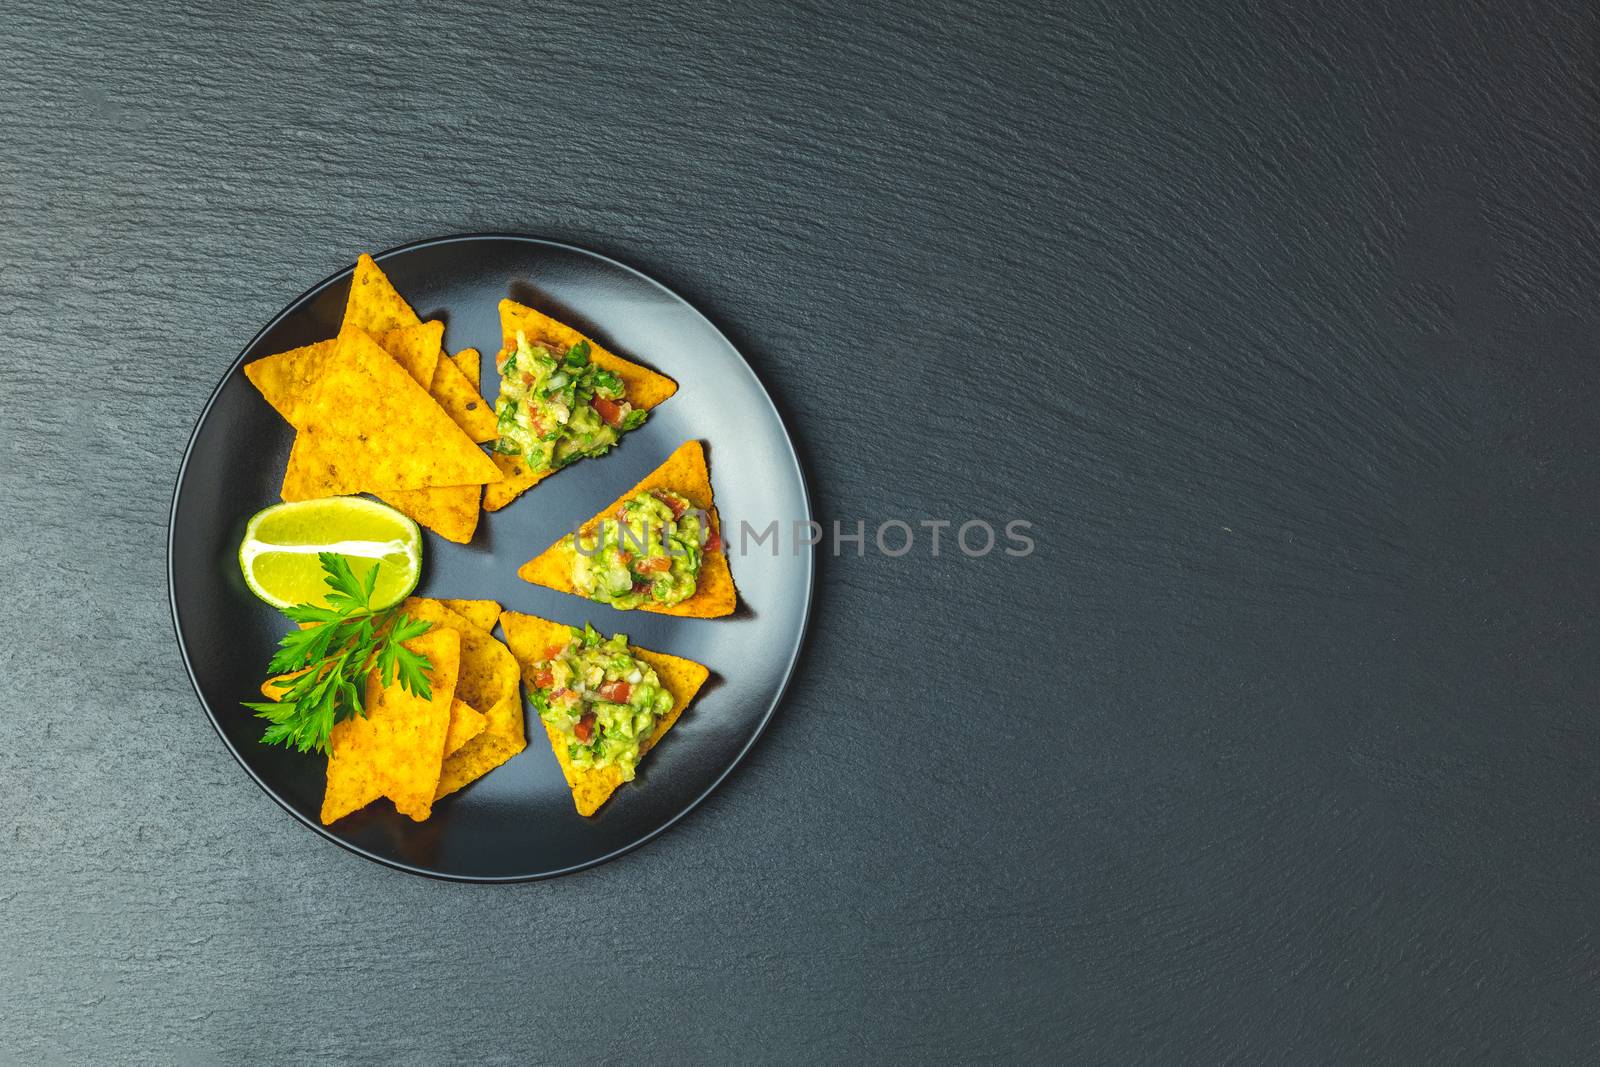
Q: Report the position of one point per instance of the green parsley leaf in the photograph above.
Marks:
(337, 648)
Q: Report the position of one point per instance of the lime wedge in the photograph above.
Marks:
(279, 552)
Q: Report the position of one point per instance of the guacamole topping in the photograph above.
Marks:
(556, 406)
(649, 552)
(603, 698)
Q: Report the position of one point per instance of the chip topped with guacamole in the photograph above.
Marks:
(556, 405)
(656, 548)
(648, 553)
(602, 699)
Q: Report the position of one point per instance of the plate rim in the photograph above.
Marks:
(808, 561)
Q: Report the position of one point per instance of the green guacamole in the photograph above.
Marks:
(603, 698)
(556, 406)
(649, 552)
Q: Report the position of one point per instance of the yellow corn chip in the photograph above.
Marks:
(373, 428)
(465, 724)
(531, 637)
(501, 739)
(374, 305)
(451, 512)
(460, 398)
(645, 388)
(488, 674)
(684, 473)
(286, 379)
(515, 479)
(470, 363)
(481, 613)
(488, 682)
(415, 348)
(397, 748)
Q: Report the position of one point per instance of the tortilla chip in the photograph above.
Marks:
(460, 398)
(415, 348)
(488, 673)
(450, 512)
(684, 473)
(488, 683)
(645, 388)
(501, 739)
(369, 427)
(470, 364)
(515, 479)
(481, 613)
(374, 305)
(530, 637)
(465, 724)
(397, 748)
(285, 380)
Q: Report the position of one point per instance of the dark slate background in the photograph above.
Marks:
(1279, 323)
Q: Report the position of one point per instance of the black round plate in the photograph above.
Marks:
(518, 821)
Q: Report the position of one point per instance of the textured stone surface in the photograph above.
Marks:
(1281, 747)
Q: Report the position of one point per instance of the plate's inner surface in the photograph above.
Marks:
(518, 821)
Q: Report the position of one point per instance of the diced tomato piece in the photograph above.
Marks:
(616, 692)
(677, 505)
(641, 587)
(655, 565)
(609, 410)
(543, 677)
(584, 727)
(527, 377)
(554, 650)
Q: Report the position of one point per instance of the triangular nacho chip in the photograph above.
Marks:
(645, 388)
(489, 683)
(530, 637)
(286, 380)
(397, 748)
(460, 398)
(415, 348)
(289, 379)
(451, 512)
(465, 724)
(470, 363)
(372, 428)
(483, 614)
(684, 473)
(502, 738)
(374, 305)
(488, 674)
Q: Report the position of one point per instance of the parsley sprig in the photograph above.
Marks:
(339, 645)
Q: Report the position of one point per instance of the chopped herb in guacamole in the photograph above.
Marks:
(648, 553)
(602, 697)
(556, 406)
